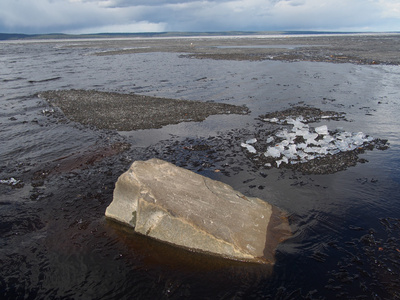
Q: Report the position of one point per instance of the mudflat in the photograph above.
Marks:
(125, 112)
(347, 48)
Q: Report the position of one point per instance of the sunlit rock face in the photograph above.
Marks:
(178, 206)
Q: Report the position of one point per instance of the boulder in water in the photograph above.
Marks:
(178, 206)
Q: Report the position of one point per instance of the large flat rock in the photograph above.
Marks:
(178, 206)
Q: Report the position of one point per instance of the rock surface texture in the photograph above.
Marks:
(126, 112)
(178, 206)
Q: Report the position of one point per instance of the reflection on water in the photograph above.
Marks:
(55, 242)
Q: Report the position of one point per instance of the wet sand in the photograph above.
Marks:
(358, 49)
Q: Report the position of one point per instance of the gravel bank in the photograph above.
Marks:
(126, 112)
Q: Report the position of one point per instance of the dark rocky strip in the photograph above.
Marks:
(364, 49)
(225, 154)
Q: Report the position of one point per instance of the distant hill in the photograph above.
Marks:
(18, 36)
(12, 36)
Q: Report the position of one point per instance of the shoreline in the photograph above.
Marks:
(366, 48)
(357, 49)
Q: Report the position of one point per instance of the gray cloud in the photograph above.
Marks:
(84, 16)
(127, 3)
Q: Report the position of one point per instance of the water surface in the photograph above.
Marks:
(55, 242)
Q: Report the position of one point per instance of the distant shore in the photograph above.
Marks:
(20, 36)
(337, 47)
(355, 48)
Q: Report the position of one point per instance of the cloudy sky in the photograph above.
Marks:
(95, 16)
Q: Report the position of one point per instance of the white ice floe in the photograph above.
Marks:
(272, 120)
(270, 139)
(302, 143)
(47, 111)
(310, 138)
(283, 160)
(273, 152)
(249, 148)
(297, 123)
(11, 181)
(323, 130)
(251, 141)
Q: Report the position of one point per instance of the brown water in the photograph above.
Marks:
(55, 242)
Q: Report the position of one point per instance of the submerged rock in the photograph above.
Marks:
(178, 206)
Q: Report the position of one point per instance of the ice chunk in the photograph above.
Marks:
(320, 143)
(310, 157)
(47, 111)
(284, 143)
(273, 152)
(290, 152)
(301, 132)
(272, 120)
(11, 181)
(359, 138)
(302, 155)
(310, 137)
(328, 138)
(290, 121)
(251, 141)
(343, 135)
(309, 150)
(321, 150)
(249, 148)
(292, 148)
(298, 122)
(280, 147)
(283, 160)
(301, 145)
(342, 145)
(290, 156)
(323, 130)
(270, 139)
(283, 133)
(333, 151)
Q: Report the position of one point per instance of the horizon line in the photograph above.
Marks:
(6, 36)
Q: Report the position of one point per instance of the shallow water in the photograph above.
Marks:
(55, 242)
(261, 46)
